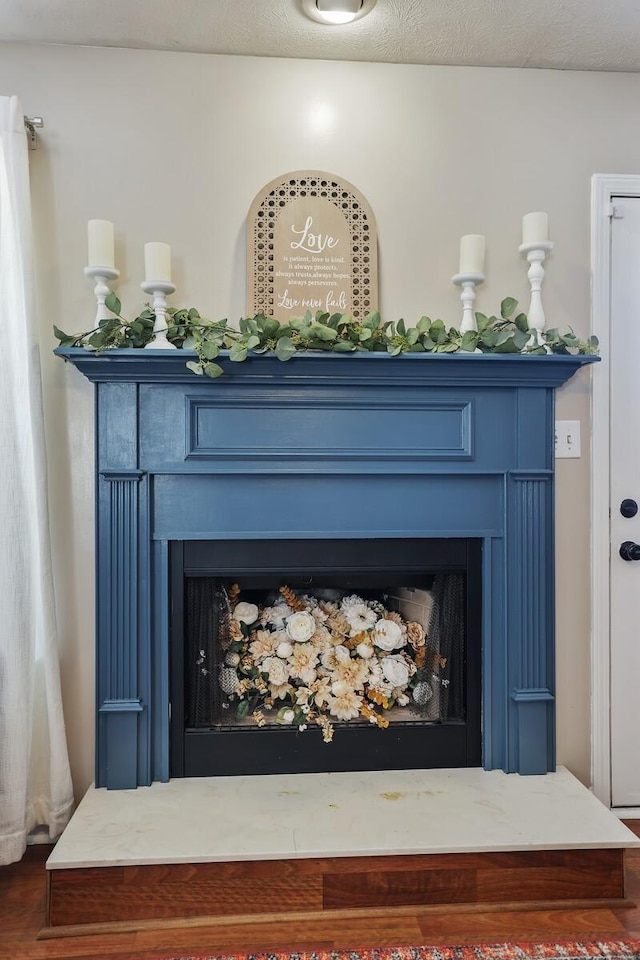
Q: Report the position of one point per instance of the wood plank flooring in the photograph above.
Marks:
(23, 908)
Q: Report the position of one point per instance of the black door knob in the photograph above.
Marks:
(630, 550)
(628, 508)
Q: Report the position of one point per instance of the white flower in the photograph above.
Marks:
(280, 691)
(245, 612)
(395, 671)
(364, 651)
(318, 615)
(276, 616)
(358, 615)
(264, 645)
(403, 700)
(328, 658)
(341, 654)
(387, 635)
(355, 672)
(303, 662)
(284, 650)
(320, 689)
(276, 669)
(345, 704)
(302, 727)
(288, 716)
(301, 626)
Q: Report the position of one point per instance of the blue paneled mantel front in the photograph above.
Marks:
(323, 446)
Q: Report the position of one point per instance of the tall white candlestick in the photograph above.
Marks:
(101, 245)
(535, 228)
(157, 262)
(472, 253)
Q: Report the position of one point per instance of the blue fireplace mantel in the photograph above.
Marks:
(330, 446)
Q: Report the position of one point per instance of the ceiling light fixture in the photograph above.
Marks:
(337, 11)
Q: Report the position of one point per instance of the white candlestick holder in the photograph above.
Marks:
(160, 290)
(103, 277)
(468, 282)
(535, 254)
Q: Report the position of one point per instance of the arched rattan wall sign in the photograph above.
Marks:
(311, 245)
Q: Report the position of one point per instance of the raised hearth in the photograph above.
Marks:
(234, 849)
(323, 447)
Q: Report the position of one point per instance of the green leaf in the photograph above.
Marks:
(507, 346)
(195, 367)
(344, 346)
(365, 334)
(521, 338)
(507, 307)
(112, 303)
(238, 353)
(209, 350)
(521, 322)
(285, 348)
(401, 328)
(393, 349)
(412, 336)
(64, 338)
(482, 322)
(243, 708)
(424, 323)
(322, 332)
(213, 370)
(469, 341)
(268, 325)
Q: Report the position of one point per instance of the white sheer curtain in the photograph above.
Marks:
(35, 783)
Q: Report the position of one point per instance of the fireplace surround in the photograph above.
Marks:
(323, 447)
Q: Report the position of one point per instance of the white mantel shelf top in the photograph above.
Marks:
(203, 820)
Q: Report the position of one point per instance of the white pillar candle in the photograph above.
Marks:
(157, 262)
(535, 228)
(472, 253)
(101, 249)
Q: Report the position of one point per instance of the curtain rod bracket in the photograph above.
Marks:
(33, 124)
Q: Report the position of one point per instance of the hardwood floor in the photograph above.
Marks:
(23, 905)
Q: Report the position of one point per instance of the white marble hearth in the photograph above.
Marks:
(336, 815)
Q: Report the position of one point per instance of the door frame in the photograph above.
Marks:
(603, 188)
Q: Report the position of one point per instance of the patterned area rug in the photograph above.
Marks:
(597, 950)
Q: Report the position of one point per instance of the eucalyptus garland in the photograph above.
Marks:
(338, 333)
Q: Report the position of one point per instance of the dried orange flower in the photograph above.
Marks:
(377, 697)
(258, 716)
(421, 657)
(233, 592)
(352, 642)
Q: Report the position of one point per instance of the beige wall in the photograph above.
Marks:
(175, 146)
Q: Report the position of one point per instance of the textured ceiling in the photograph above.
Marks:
(565, 34)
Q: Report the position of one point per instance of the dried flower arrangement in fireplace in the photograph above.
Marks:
(307, 660)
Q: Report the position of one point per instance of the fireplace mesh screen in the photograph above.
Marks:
(435, 691)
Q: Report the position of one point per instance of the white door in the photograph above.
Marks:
(625, 495)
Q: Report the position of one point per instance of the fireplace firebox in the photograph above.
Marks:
(326, 448)
(434, 583)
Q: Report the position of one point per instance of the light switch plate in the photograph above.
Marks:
(567, 438)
